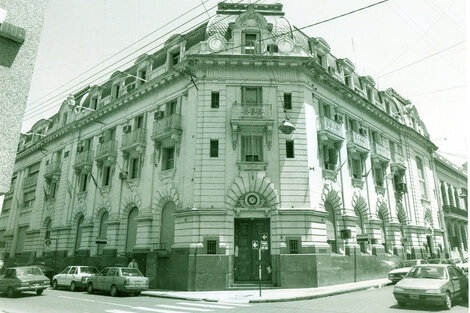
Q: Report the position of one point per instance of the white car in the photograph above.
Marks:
(403, 268)
(72, 276)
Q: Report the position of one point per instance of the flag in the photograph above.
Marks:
(70, 189)
(368, 172)
(46, 195)
(339, 169)
(96, 184)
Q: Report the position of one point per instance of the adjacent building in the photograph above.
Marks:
(187, 162)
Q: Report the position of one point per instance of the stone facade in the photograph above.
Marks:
(179, 162)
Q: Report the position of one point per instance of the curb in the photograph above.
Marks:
(322, 295)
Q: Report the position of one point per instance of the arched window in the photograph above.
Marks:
(331, 233)
(48, 230)
(359, 222)
(103, 230)
(131, 237)
(383, 231)
(167, 236)
(78, 236)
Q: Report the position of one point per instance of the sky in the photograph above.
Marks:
(417, 47)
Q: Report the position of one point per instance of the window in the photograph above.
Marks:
(142, 76)
(73, 270)
(139, 122)
(326, 110)
(320, 59)
(170, 108)
(330, 157)
(94, 103)
(175, 58)
(83, 182)
(421, 177)
(347, 80)
(457, 198)
(78, 236)
(131, 234)
(251, 96)
(214, 149)
(6, 205)
(215, 95)
(250, 43)
(383, 230)
(290, 149)
(252, 148)
(288, 101)
(356, 164)
(331, 236)
(168, 158)
(106, 176)
(211, 247)
(29, 199)
(378, 175)
(52, 189)
(115, 91)
(134, 167)
(294, 246)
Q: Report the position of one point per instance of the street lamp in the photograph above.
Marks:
(286, 127)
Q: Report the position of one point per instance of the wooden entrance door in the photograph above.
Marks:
(246, 263)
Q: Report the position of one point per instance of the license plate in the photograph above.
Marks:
(414, 297)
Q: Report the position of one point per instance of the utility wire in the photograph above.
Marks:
(36, 113)
(118, 52)
(422, 59)
(439, 90)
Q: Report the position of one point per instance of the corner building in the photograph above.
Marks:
(179, 161)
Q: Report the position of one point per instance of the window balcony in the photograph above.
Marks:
(381, 153)
(358, 143)
(30, 181)
(167, 127)
(251, 112)
(331, 129)
(83, 159)
(52, 170)
(134, 140)
(398, 161)
(106, 151)
(450, 210)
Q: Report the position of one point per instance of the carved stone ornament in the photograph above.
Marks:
(216, 42)
(285, 44)
(251, 200)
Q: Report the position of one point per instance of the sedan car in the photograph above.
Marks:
(433, 284)
(47, 270)
(403, 268)
(73, 277)
(117, 280)
(19, 279)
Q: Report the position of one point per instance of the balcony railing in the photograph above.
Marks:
(133, 139)
(52, 169)
(84, 158)
(358, 141)
(105, 149)
(382, 151)
(332, 129)
(30, 180)
(450, 209)
(251, 111)
(165, 126)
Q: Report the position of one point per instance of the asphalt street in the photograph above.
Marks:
(61, 301)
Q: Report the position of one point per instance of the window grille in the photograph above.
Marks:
(211, 247)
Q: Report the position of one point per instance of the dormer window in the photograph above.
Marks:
(250, 43)
(115, 91)
(94, 103)
(143, 76)
(175, 58)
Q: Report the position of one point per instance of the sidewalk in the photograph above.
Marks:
(269, 295)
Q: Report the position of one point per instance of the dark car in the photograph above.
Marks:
(25, 278)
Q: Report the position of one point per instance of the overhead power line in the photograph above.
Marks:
(422, 59)
(439, 90)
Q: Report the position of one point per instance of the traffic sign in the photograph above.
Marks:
(47, 242)
(255, 244)
(264, 245)
(264, 236)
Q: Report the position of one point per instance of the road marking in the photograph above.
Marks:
(207, 305)
(142, 308)
(179, 307)
(235, 304)
(102, 302)
(118, 311)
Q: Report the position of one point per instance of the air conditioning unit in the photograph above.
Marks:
(401, 187)
(158, 115)
(339, 118)
(272, 48)
(101, 139)
(126, 128)
(123, 175)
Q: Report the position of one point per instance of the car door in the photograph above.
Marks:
(110, 279)
(61, 278)
(454, 276)
(4, 281)
(101, 278)
(71, 275)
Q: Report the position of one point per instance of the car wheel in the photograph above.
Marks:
(448, 301)
(73, 287)
(90, 288)
(137, 293)
(11, 292)
(114, 291)
(401, 303)
(39, 291)
(54, 284)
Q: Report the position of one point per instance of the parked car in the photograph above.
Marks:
(47, 270)
(117, 280)
(72, 277)
(460, 263)
(403, 268)
(433, 284)
(25, 278)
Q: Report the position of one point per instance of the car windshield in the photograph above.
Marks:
(407, 263)
(130, 272)
(88, 270)
(427, 273)
(28, 271)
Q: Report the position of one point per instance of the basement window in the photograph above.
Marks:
(211, 246)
